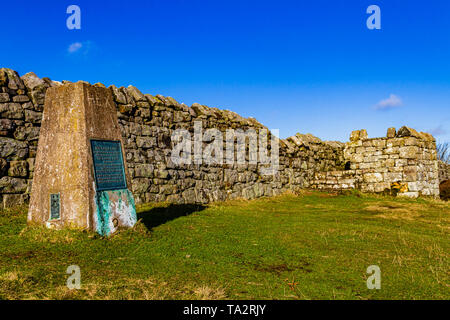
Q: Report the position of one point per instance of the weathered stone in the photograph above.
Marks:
(135, 129)
(393, 176)
(31, 81)
(37, 95)
(409, 152)
(144, 171)
(168, 189)
(382, 187)
(407, 132)
(12, 149)
(14, 200)
(143, 112)
(3, 78)
(11, 110)
(129, 97)
(13, 185)
(426, 136)
(409, 194)
(171, 101)
(410, 174)
(164, 100)
(27, 132)
(18, 169)
(145, 142)
(379, 143)
(411, 141)
(373, 177)
(118, 95)
(189, 196)
(391, 132)
(125, 109)
(4, 97)
(161, 174)
(363, 134)
(140, 185)
(31, 164)
(308, 138)
(413, 186)
(14, 82)
(21, 98)
(136, 94)
(294, 140)
(199, 109)
(357, 157)
(152, 100)
(335, 144)
(355, 135)
(33, 116)
(3, 167)
(7, 127)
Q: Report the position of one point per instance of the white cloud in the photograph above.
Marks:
(74, 47)
(392, 102)
(438, 131)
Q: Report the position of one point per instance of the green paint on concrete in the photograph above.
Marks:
(123, 209)
(103, 213)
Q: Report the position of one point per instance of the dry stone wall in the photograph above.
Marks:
(148, 123)
(404, 161)
(444, 171)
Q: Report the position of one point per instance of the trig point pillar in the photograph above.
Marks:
(81, 178)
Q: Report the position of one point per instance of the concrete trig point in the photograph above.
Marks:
(81, 178)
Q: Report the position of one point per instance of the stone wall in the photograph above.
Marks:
(402, 163)
(444, 171)
(148, 123)
(21, 112)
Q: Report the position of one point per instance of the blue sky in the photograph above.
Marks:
(299, 66)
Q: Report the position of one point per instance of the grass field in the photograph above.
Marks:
(309, 246)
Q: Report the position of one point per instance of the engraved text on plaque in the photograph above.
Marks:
(108, 165)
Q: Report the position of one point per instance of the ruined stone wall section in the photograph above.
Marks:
(147, 123)
(402, 163)
(444, 171)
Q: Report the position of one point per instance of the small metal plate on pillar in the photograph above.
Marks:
(55, 206)
(108, 165)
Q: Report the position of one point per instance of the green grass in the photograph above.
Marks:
(308, 246)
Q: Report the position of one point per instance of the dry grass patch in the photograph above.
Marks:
(395, 210)
(41, 234)
(208, 293)
(9, 276)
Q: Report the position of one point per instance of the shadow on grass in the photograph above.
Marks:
(158, 216)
